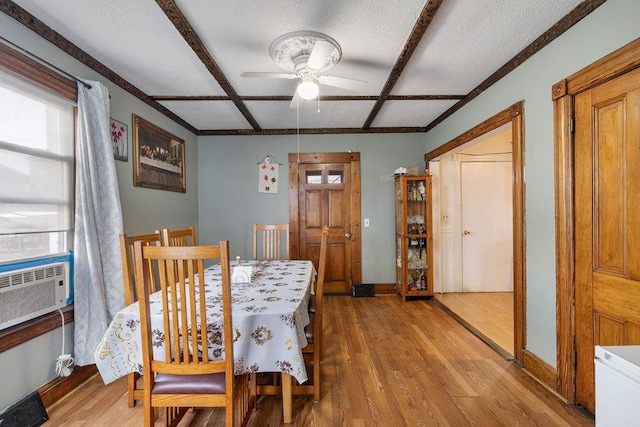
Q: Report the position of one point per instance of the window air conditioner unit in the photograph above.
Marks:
(28, 293)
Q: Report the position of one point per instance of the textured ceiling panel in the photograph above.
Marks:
(133, 38)
(333, 114)
(208, 114)
(470, 40)
(410, 113)
(406, 49)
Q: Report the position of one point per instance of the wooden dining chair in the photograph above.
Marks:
(184, 237)
(134, 392)
(313, 350)
(271, 241)
(313, 330)
(185, 376)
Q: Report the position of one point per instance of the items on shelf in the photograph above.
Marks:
(414, 273)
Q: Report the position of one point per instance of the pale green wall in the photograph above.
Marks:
(230, 202)
(611, 26)
(25, 368)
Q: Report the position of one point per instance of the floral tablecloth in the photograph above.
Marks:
(269, 315)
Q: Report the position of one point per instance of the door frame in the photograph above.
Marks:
(513, 114)
(294, 213)
(619, 62)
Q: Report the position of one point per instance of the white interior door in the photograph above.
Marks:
(487, 227)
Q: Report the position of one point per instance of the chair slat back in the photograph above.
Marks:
(322, 272)
(186, 329)
(184, 237)
(271, 241)
(128, 264)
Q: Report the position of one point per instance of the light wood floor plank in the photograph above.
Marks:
(385, 363)
(489, 313)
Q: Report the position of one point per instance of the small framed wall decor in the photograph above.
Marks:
(158, 157)
(119, 140)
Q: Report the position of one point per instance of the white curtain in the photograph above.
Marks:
(98, 291)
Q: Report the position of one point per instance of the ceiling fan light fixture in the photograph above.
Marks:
(308, 90)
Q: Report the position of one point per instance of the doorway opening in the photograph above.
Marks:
(478, 202)
(476, 234)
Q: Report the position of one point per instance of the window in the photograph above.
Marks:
(314, 177)
(320, 177)
(36, 170)
(335, 177)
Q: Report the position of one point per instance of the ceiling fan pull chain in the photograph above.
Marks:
(298, 134)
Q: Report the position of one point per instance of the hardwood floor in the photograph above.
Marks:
(488, 314)
(385, 363)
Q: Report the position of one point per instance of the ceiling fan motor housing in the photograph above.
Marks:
(291, 51)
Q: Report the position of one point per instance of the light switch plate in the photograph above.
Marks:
(366, 222)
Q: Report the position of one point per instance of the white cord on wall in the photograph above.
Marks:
(64, 363)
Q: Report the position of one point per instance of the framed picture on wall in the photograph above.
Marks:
(158, 157)
(119, 140)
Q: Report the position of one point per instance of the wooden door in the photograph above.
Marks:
(487, 226)
(325, 190)
(607, 222)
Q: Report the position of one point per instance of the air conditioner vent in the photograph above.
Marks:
(29, 293)
(17, 279)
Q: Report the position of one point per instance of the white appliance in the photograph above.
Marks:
(31, 292)
(617, 385)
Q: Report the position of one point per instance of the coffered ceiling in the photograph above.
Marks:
(420, 60)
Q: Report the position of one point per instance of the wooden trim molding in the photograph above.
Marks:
(565, 291)
(559, 90)
(384, 289)
(623, 60)
(519, 236)
(495, 121)
(616, 63)
(309, 131)
(56, 389)
(16, 62)
(539, 369)
(19, 334)
(513, 114)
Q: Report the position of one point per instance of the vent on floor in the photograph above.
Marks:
(28, 412)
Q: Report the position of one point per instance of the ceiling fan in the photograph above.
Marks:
(306, 55)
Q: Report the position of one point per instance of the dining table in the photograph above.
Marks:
(269, 314)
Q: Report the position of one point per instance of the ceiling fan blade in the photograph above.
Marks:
(344, 83)
(269, 75)
(296, 101)
(319, 54)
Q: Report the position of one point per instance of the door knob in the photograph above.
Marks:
(347, 235)
(466, 232)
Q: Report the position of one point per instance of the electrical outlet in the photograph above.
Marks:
(366, 222)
